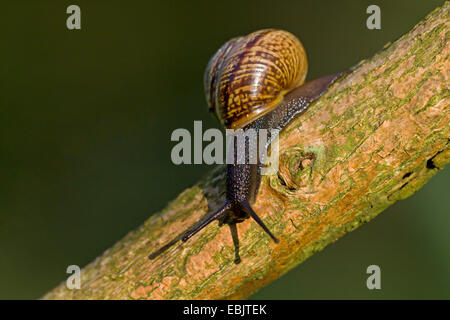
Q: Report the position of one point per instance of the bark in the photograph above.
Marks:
(375, 137)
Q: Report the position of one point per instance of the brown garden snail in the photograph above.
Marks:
(254, 82)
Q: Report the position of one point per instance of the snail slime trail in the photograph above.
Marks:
(254, 82)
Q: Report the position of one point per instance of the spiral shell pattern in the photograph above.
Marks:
(248, 76)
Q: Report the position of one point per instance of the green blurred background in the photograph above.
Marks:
(86, 118)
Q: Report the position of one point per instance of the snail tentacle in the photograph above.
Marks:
(216, 215)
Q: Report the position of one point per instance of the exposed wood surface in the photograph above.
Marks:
(375, 137)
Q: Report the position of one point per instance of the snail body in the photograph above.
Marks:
(254, 82)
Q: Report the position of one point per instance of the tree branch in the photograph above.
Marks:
(375, 137)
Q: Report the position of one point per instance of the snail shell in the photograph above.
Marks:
(248, 76)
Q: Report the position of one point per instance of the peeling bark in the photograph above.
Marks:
(375, 137)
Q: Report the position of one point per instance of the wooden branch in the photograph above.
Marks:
(375, 137)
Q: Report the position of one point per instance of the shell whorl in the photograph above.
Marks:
(248, 76)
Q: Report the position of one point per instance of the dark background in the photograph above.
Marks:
(86, 118)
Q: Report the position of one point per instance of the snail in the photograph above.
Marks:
(254, 82)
